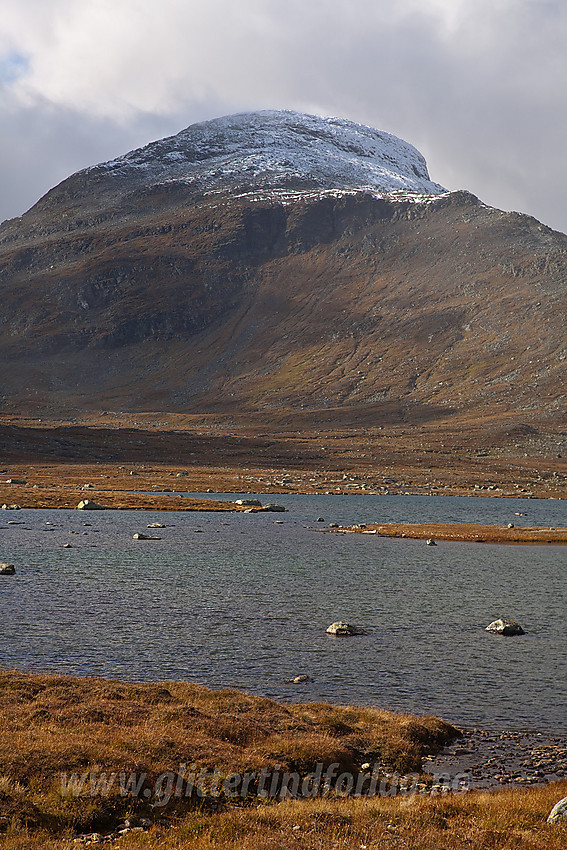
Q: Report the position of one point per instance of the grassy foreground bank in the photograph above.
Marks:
(54, 726)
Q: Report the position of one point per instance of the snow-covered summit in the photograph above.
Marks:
(271, 150)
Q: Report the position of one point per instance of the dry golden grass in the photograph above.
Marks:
(515, 819)
(51, 725)
(67, 497)
(311, 456)
(507, 820)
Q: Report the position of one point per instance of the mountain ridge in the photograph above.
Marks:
(264, 151)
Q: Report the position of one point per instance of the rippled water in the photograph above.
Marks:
(238, 600)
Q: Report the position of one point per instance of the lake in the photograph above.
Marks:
(240, 600)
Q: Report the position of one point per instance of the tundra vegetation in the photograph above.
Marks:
(55, 726)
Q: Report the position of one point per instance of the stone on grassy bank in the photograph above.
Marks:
(558, 812)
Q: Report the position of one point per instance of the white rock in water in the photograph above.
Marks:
(342, 628)
(505, 627)
(7, 569)
(87, 505)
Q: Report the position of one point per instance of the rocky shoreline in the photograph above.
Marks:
(502, 759)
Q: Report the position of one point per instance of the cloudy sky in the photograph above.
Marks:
(478, 86)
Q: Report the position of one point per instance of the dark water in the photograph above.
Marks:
(237, 600)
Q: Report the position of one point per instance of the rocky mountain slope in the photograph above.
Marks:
(275, 262)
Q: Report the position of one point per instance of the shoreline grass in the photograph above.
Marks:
(462, 532)
(53, 724)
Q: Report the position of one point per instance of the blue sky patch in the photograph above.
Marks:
(13, 66)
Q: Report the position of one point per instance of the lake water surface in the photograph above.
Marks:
(239, 600)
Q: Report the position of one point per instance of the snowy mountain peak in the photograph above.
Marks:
(277, 150)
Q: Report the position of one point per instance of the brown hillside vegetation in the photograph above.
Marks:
(369, 310)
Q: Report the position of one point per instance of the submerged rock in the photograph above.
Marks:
(140, 536)
(7, 569)
(342, 628)
(558, 812)
(505, 627)
(277, 508)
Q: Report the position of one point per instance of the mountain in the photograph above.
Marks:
(271, 263)
(261, 152)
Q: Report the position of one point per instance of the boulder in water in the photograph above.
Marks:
(87, 505)
(505, 627)
(343, 629)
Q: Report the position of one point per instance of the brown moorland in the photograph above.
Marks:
(127, 453)
(53, 724)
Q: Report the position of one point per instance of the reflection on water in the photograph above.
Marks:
(236, 599)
